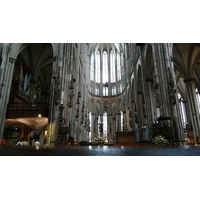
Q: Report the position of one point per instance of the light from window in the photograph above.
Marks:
(122, 65)
(105, 125)
(122, 118)
(105, 91)
(120, 88)
(114, 90)
(198, 98)
(118, 67)
(99, 122)
(90, 119)
(105, 66)
(92, 68)
(97, 90)
(112, 67)
(97, 79)
(182, 111)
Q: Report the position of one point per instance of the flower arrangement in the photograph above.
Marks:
(98, 141)
(159, 140)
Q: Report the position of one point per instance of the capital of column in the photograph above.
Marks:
(12, 60)
(54, 58)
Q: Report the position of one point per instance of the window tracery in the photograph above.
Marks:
(182, 110)
(97, 75)
(106, 73)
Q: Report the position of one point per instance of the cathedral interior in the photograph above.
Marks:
(125, 93)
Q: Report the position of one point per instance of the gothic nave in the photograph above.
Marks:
(125, 93)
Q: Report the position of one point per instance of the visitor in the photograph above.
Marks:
(19, 143)
(37, 143)
(3, 143)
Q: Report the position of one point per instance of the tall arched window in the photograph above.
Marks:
(122, 65)
(182, 111)
(106, 74)
(118, 67)
(120, 88)
(99, 122)
(92, 68)
(198, 98)
(97, 90)
(105, 91)
(112, 67)
(97, 79)
(114, 90)
(122, 120)
(105, 124)
(90, 120)
(105, 66)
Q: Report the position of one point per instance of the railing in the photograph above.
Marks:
(27, 109)
(28, 105)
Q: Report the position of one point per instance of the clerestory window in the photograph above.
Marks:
(97, 74)
(107, 70)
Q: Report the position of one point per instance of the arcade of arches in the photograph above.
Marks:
(125, 92)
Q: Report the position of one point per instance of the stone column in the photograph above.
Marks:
(118, 121)
(150, 109)
(92, 126)
(173, 95)
(124, 120)
(140, 116)
(133, 116)
(193, 107)
(114, 129)
(96, 126)
(53, 107)
(109, 134)
(101, 121)
(32, 89)
(7, 74)
(160, 72)
(164, 70)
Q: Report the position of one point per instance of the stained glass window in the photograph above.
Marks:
(112, 67)
(105, 67)
(97, 79)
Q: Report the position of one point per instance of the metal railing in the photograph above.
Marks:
(28, 105)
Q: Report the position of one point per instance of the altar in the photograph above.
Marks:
(125, 137)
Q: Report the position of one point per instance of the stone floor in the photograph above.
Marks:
(103, 151)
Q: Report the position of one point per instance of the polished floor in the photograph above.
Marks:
(103, 151)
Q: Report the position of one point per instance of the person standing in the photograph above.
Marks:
(37, 143)
(19, 143)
